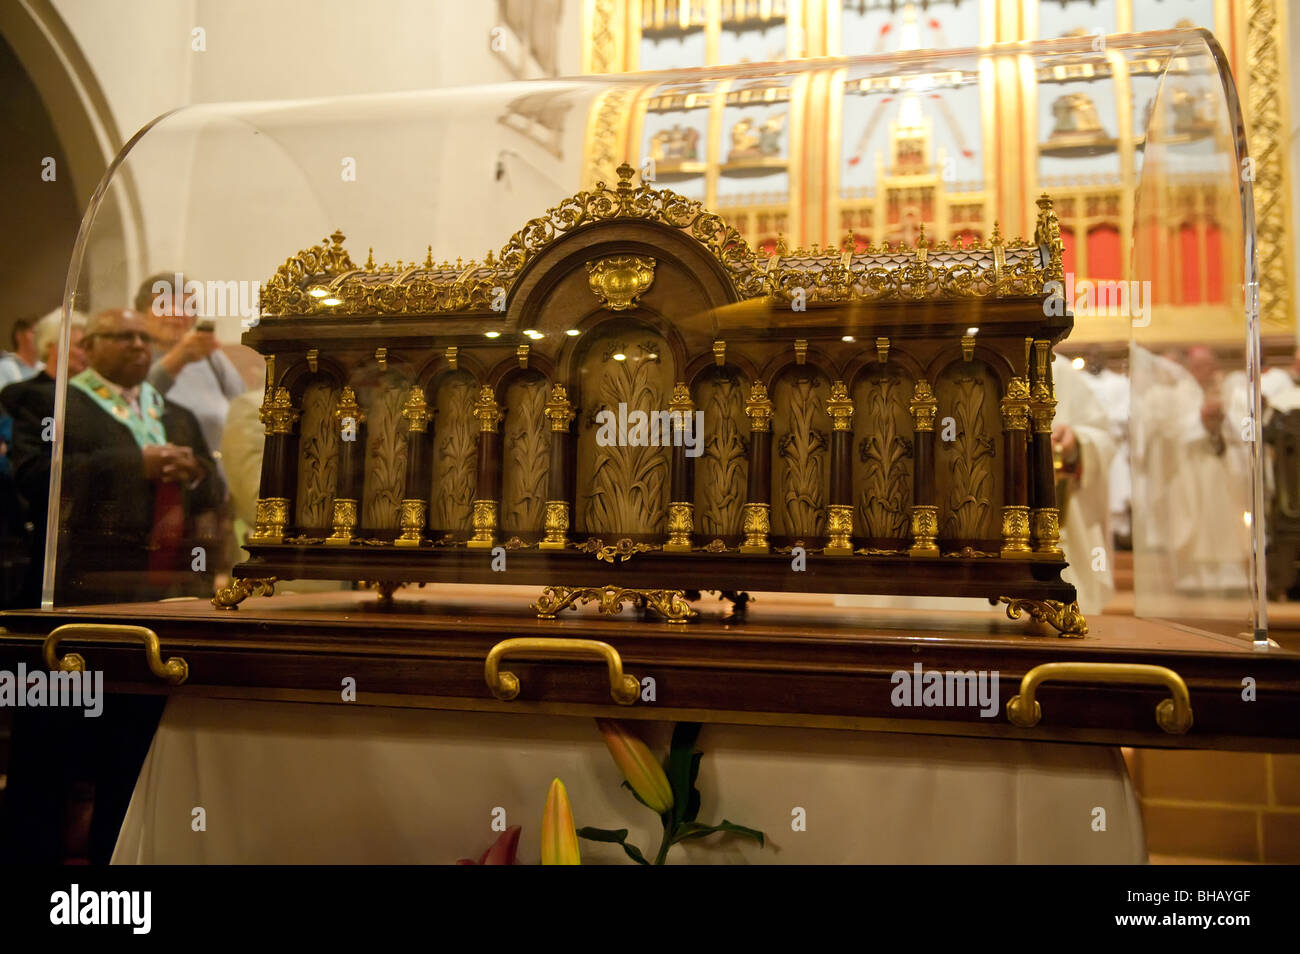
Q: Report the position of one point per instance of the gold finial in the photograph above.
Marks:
(370, 260)
(920, 236)
(490, 261)
(428, 258)
(781, 248)
(399, 264)
(337, 237)
(997, 235)
(849, 243)
(625, 173)
(459, 266)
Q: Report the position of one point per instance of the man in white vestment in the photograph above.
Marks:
(1081, 435)
(1196, 473)
(1112, 390)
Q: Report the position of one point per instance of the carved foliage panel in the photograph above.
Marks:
(385, 467)
(801, 432)
(968, 464)
(623, 483)
(525, 454)
(722, 470)
(317, 456)
(882, 455)
(455, 450)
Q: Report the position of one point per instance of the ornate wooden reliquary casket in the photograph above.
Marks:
(629, 404)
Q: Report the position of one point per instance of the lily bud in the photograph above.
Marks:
(638, 765)
(559, 838)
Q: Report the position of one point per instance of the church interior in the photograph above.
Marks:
(896, 401)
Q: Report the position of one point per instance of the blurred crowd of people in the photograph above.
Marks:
(144, 502)
(1182, 432)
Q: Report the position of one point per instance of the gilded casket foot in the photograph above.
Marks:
(1065, 618)
(670, 604)
(239, 589)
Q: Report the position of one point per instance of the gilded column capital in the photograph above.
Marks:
(487, 410)
(558, 409)
(347, 409)
(924, 406)
(416, 410)
(278, 414)
(681, 400)
(840, 407)
(1015, 405)
(759, 408)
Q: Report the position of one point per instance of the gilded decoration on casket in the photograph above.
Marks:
(620, 280)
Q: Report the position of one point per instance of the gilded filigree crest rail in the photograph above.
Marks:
(323, 280)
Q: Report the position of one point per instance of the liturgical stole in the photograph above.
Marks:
(147, 429)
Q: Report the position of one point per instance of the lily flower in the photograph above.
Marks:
(559, 838)
(642, 770)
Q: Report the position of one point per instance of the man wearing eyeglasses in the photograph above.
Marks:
(140, 488)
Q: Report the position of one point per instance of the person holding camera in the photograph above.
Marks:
(189, 367)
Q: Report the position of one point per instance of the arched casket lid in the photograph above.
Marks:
(324, 280)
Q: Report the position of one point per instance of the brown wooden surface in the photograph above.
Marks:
(791, 662)
(1038, 578)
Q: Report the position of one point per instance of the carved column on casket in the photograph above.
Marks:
(839, 515)
(925, 508)
(351, 476)
(487, 505)
(1045, 518)
(558, 508)
(681, 500)
(1015, 432)
(414, 513)
(279, 465)
(756, 517)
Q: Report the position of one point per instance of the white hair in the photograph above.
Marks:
(47, 329)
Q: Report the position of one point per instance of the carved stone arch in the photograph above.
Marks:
(299, 375)
(946, 357)
(381, 393)
(701, 365)
(622, 485)
(500, 374)
(677, 253)
(316, 395)
(881, 454)
(436, 368)
(453, 447)
(969, 470)
(575, 350)
(525, 450)
(782, 361)
(801, 448)
(867, 362)
(722, 468)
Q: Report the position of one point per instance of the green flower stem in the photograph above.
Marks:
(669, 830)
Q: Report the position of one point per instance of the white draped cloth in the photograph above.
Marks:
(298, 783)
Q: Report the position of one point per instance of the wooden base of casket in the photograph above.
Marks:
(796, 660)
(660, 580)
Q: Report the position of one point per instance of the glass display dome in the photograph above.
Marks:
(278, 271)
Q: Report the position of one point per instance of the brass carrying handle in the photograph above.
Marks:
(1174, 714)
(624, 688)
(173, 672)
